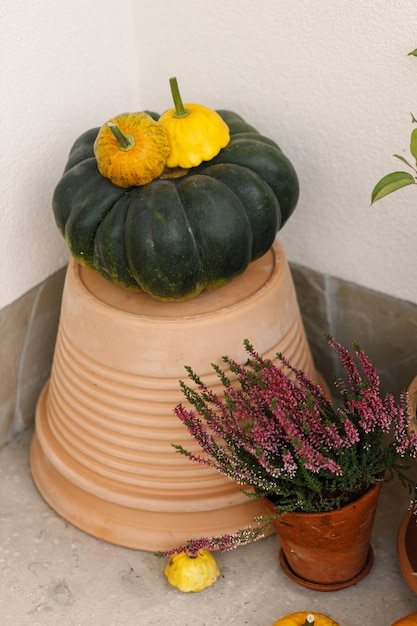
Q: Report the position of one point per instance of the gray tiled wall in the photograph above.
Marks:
(27, 333)
(385, 327)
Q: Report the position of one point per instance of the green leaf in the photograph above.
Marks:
(398, 156)
(413, 53)
(413, 143)
(391, 182)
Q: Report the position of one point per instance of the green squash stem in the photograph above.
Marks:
(124, 142)
(310, 621)
(180, 110)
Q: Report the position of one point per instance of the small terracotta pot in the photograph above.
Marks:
(328, 551)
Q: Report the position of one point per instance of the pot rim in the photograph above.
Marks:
(374, 489)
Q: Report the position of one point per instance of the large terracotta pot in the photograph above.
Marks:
(102, 454)
(328, 551)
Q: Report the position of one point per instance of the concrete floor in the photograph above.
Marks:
(51, 573)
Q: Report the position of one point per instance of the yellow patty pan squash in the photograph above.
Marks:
(131, 149)
(192, 573)
(304, 618)
(196, 133)
(407, 620)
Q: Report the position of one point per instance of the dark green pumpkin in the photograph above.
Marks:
(176, 236)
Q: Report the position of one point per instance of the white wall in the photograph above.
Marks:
(330, 81)
(65, 66)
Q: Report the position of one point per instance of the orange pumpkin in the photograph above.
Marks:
(408, 620)
(305, 618)
(131, 149)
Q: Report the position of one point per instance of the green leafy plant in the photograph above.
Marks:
(398, 179)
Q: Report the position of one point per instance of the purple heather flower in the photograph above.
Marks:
(274, 429)
(225, 543)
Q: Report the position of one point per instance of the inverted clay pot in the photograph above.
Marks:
(328, 551)
(101, 455)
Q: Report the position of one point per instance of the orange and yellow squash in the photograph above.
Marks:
(196, 133)
(131, 149)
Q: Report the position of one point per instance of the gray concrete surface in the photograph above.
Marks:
(53, 574)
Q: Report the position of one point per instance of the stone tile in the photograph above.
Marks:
(312, 299)
(28, 329)
(13, 324)
(6, 419)
(386, 328)
(38, 347)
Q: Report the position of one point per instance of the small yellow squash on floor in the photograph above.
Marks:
(192, 573)
(304, 618)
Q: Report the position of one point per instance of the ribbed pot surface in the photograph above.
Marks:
(101, 455)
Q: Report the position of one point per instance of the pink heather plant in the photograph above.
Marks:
(274, 430)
